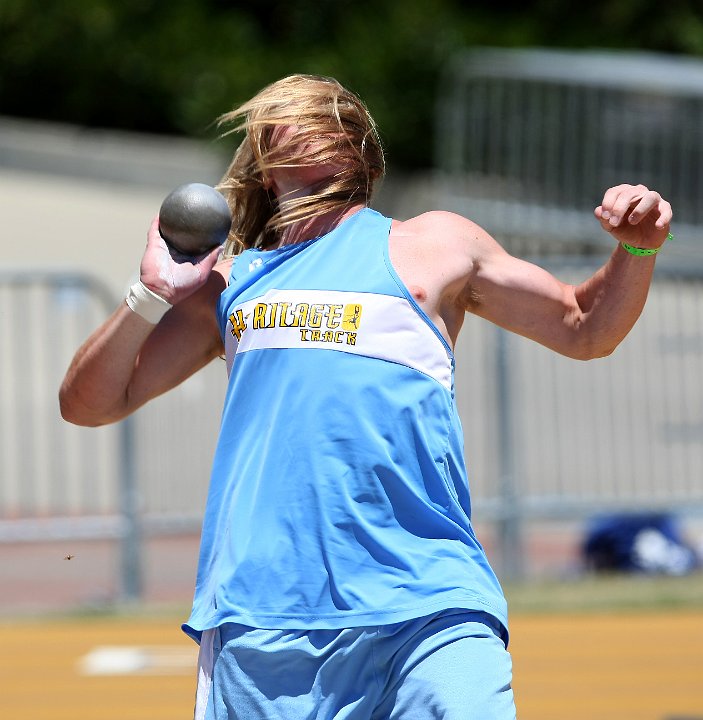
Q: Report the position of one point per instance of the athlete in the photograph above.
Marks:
(339, 573)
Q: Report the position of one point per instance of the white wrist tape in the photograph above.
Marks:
(146, 303)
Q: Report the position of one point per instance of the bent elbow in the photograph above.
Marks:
(76, 413)
(605, 352)
(592, 351)
(72, 414)
(586, 343)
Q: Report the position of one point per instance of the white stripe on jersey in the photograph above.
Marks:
(368, 324)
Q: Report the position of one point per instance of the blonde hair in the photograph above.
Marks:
(327, 124)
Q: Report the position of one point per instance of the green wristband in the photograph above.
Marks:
(643, 252)
(640, 252)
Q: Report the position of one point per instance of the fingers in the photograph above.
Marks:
(618, 200)
(153, 235)
(154, 238)
(209, 259)
(632, 203)
(666, 214)
(169, 274)
(652, 203)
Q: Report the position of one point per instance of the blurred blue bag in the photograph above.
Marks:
(643, 543)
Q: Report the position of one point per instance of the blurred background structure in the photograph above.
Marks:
(105, 108)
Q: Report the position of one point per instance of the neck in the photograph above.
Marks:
(317, 226)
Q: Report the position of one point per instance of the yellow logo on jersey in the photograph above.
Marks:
(316, 322)
(351, 317)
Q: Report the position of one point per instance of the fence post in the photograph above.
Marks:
(510, 520)
(131, 535)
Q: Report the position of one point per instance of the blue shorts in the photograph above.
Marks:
(452, 665)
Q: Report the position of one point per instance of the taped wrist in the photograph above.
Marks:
(146, 303)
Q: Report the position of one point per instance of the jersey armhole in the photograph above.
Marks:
(408, 295)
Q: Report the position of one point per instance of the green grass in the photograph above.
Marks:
(583, 594)
(588, 593)
(606, 594)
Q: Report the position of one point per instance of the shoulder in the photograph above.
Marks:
(441, 234)
(440, 252)
(449, 253)
(442, 227)
(433, 222)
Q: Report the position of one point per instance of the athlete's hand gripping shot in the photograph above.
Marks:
(339, 573)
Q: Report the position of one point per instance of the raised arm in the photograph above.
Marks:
(452, 266)
(588, 320)
(129, 360)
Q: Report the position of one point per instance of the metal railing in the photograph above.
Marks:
(546, 437)
(143, 476)
(527, 140)
(59, 481)
(550, 438)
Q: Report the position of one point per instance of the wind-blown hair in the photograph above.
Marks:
(324, 124)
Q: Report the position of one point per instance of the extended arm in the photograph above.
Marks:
(128, 360)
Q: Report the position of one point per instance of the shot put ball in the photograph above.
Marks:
(194, 218)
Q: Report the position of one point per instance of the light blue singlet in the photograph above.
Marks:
(339, 495)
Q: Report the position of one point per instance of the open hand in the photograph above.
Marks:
(635, 215)
(173, 277)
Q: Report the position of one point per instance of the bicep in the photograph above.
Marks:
(475, 274)
(526, 299)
